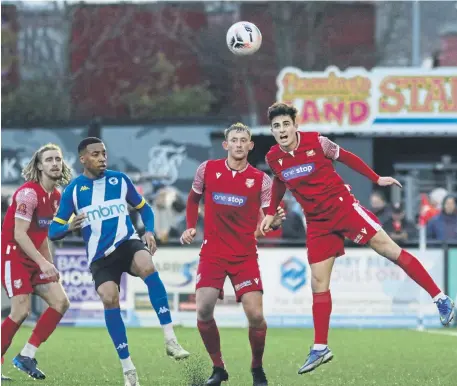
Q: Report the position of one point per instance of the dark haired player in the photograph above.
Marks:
(303, 163)
(99, 199)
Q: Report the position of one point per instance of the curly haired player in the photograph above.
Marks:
(27, 265)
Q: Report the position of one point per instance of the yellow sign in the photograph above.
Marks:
(361, 100)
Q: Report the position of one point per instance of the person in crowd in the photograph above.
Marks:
(443, 226)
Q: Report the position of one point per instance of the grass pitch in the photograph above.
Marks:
(86, 356)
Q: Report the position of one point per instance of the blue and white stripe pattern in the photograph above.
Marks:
(105, 203)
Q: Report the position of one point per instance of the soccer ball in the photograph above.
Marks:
(243, 38)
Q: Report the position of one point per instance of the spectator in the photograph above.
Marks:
(165, 204)
(398, 228)
(379, 207)
(443, 226)
(437, 196)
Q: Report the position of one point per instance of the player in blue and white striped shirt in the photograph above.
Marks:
(99, 198)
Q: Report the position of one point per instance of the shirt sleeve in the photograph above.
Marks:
(266, 161)
(265, 195)
(66, 207)
(133, 197)
(331, 149)
(199, 180)
(26, 203)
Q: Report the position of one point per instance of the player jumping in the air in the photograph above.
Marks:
(99, 198)
(27, 264)
(302, 163)
(234, 194)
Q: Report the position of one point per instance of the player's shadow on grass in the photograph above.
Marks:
(194, 370)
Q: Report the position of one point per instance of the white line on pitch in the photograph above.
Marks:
(449, 333)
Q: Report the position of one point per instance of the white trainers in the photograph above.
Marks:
(131, 378)
(175, 350)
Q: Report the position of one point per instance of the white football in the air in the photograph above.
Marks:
(244, 38)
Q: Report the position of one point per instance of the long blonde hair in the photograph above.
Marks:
(32, 173)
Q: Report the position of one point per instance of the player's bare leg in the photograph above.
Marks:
(322, 308)
(385, 246)
(143, 266)
(206, 298)
(20, 308)
(253, 308)
(54, 295)
(109, 294)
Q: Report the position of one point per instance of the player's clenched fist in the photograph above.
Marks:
(188, 236)
(77, 222)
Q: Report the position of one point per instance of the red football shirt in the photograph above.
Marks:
(31, 203)
(233, 200)
(308, 172)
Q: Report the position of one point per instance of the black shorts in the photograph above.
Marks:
(111, 267)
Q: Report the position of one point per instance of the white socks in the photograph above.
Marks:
(319, 347)
(439, 296)
(29, 350)
(127, 364)
(169, 332)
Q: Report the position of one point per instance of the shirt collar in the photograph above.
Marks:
(233, 170)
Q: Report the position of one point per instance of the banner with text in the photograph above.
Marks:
(86, 307)
(383, 99)
(367, 290)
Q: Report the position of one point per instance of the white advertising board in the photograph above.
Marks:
(367, 291)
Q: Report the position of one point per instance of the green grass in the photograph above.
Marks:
(86, 356)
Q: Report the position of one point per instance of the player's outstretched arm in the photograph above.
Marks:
(357, 164)
(337, 153)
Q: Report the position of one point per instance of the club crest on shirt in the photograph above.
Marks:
(311, 153)
(17, 283)
(113, 181)
(22, 209)
(249, 182)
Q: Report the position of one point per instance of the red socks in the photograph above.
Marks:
(257, 340)
(322, 308)
(45, 326)
(416, 271)
(212, 341)
(9, 329)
